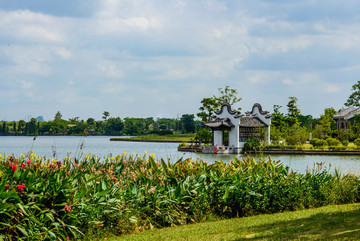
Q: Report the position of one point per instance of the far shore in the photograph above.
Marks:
(145, 140)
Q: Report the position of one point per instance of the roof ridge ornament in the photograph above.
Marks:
(227, 104)
(260, 109)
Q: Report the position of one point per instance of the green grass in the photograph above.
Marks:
(340, 222)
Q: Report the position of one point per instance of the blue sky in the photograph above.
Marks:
(142, 58)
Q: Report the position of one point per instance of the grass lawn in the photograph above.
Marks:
(327, 223)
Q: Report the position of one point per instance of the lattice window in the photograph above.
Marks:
(248, 132)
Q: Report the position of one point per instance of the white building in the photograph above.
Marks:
(240, 127)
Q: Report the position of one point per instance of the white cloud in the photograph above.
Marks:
(332, 89)
(166, 46)
(63, 52)
(30, 26)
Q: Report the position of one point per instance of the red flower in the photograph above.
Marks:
(28, 161)
(23, 165)
(67, 208)
(7, 186)
(21, 187)
(13, 167)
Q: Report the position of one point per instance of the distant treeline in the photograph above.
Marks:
(107, 126)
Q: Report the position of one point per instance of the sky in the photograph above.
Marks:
(160, 58)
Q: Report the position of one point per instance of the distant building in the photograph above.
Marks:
(239, 126)
(345, 116)
(40, 118)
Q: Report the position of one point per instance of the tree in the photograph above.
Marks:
(293, 112)
(188, 123)
(106, 114)
(354, 98)
(58, 116)
(74, 120)
(228, 95)
(209, 105)
(278, 118)
(114, 126)
(204, 135)
(90, 121)
(21, 126)
(212, 104)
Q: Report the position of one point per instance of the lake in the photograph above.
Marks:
(101, 146)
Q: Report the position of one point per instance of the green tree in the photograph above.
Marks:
(32, 127)
(204, 135)
(354, 98)
(106, 114)
(114, 126)
(278, 118)
(209, 106)
(188, 123)
(58, 116)
(21, 126)
(212, 104)
(90, 122)
(293, 112)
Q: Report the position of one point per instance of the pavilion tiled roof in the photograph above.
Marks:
(251, 121)
(220, 123)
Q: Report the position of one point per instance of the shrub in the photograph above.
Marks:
(252, 144)
(122, 194)
(203, 135)
(318, 142)
(337, 148)
(345, 143)
(333, 142)
(357, 142)
(271, 147)
(313, 141)
(183, 144)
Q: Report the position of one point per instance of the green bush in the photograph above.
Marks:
(345, 143)
(204, 135)
(92, 197)
(357, 142)
(271, 147)
(252, 144)
(337, 148)
(318, 142)
(183, 144)
(333, 142)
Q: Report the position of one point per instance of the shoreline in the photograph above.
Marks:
(139, 140)
(287, 152)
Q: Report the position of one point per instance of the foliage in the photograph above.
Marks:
(212, 104)
(204, 135)
(278, 118)
(357, 142)
(293, 112)
(318, 142)
(295, 135)
(188, 123)
(55, 199)
(252, 144)
(333, 142)
(354, 98)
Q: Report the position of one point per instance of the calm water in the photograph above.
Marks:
(63, 146)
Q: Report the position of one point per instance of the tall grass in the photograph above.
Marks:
(72, 198)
